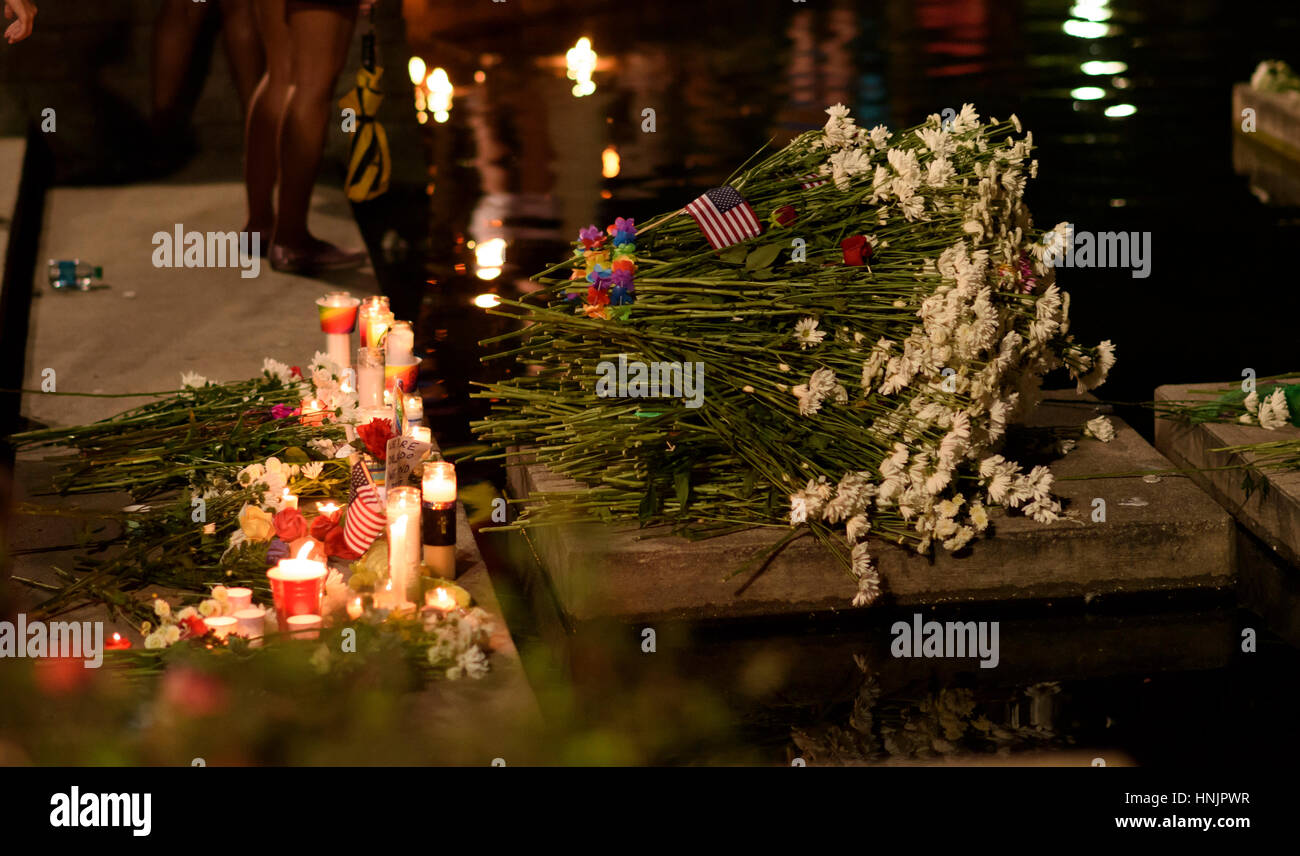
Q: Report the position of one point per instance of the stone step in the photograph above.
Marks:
(1271, 508)
(1166, 534)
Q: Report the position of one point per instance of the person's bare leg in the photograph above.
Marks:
(320, 37)
(262, 127)
(243, 48)
(175, 30)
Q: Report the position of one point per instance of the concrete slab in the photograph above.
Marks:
(1163, 535)
(1272, 509)
(12, 150)
(151, 324)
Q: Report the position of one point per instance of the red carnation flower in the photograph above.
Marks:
(376, 435)
(337, 548)
(193, 626)
(322, 525)
(856, 250)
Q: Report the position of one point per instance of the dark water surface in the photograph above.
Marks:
(1156, 680)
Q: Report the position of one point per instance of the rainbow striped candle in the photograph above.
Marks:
(405, 375)
(338, 318)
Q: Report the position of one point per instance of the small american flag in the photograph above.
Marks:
(365, 516)
(724, 217)
(812, 180)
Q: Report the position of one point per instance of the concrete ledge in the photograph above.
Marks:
(1163, 535)
(1272, 510)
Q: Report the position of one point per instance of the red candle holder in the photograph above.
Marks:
(295, 593)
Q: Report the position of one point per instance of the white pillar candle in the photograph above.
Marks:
(403, 507)
(399, 346)
(238, 598)
(288, 500)
(370, 378)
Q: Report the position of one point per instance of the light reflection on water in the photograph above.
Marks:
(1129, 106)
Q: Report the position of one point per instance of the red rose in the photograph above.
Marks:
(856, 250)
(290, 525)
(321, 526)
(193, 626)
(294, 371)
(785, 215)
(376, 435)
(335, 546)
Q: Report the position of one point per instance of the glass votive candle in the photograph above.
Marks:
(304, 626)
(403, 507)
(413, 407)
(370, 378)
(374, 318)
(250, 622)
(238, 598)
(221, 625)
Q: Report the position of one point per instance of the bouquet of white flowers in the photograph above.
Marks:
(853, 363)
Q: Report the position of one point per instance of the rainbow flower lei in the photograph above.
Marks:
(607, 262)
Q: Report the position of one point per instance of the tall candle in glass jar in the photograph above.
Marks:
(403, 540)
(373, 319)
(438, 517)
(399, 347)
(338, 317)
(370, 378)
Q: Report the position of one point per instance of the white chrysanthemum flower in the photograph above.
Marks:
(1252, 401)
(807, 334)
(960, 539)
(1100, 428)
(162, 608)
(193, 380)
(1101, 367)
(187, 612)
(1273, 412)
(979, 516)
(312, 469)
(470, 663)
(277, 369)
(323, 445)
(171, 634)
(209, 607)
(868, 578)
(155, 640)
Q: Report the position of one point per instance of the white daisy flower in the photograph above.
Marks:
(807, 334)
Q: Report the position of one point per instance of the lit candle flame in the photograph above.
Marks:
(326, 507)
(306, 549)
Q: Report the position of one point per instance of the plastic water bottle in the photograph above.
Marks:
(74, 274)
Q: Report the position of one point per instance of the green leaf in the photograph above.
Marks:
(763, 256)
(747, 487)
(734, 256)
(295, 455)
(682, 485)
(649, 504)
